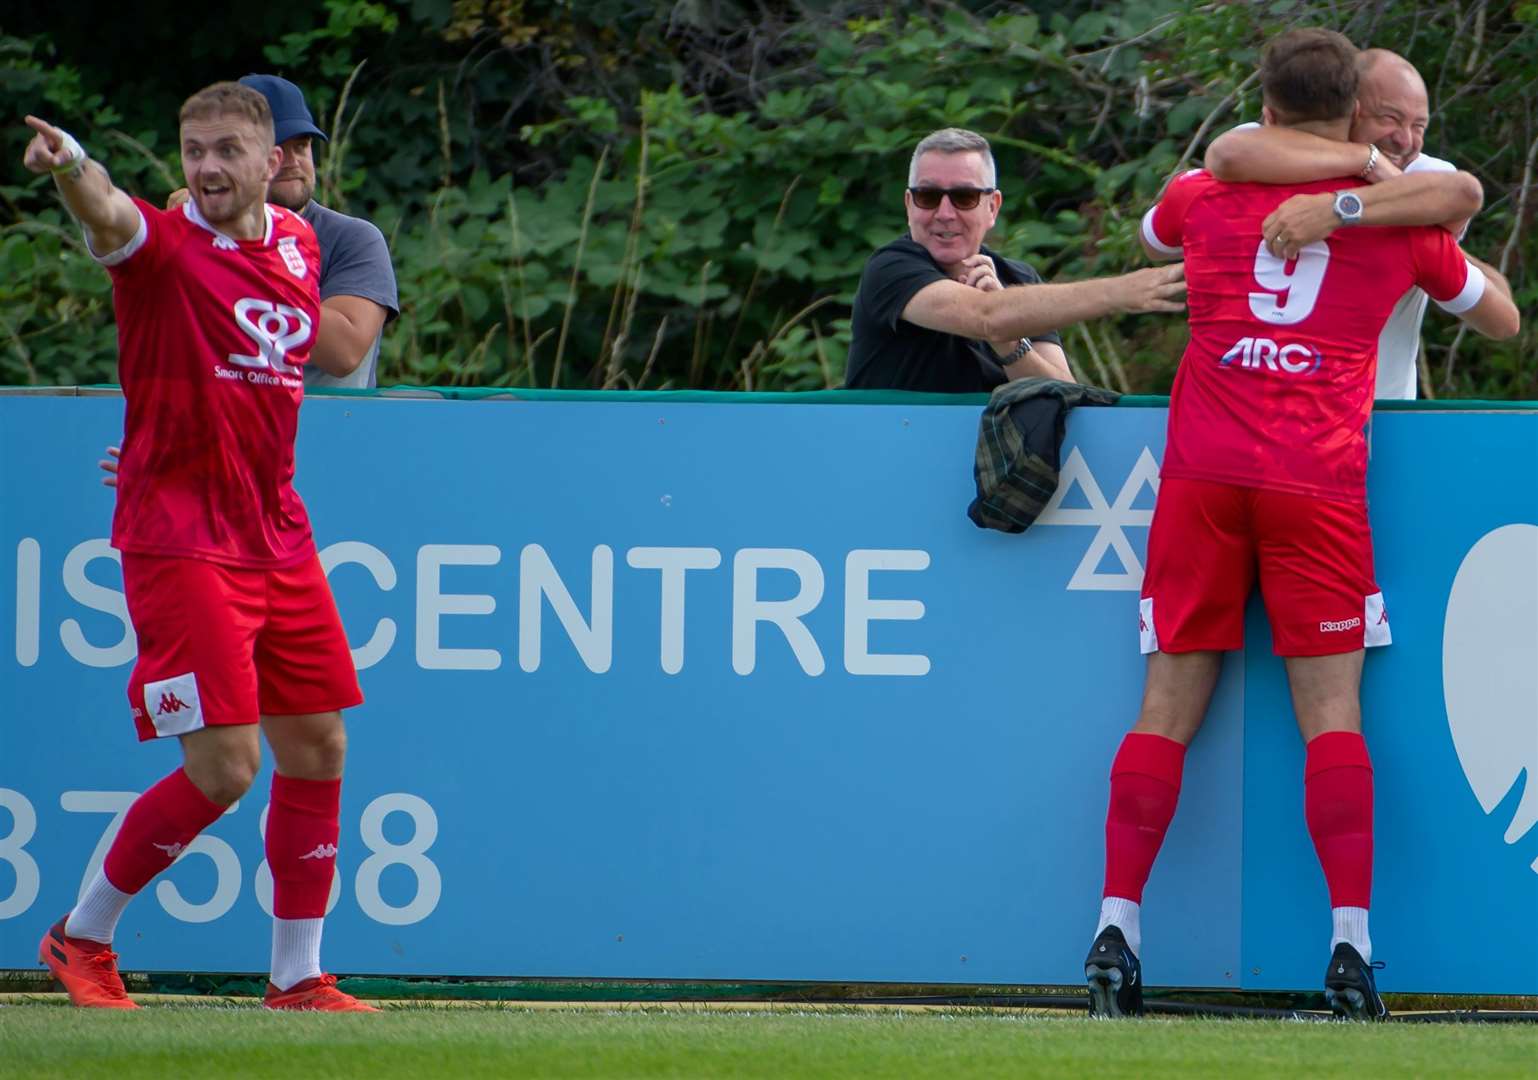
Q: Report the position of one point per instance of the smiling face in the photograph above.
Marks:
(228, 161)
(948, 234)
(1393, 110)
(295, 182)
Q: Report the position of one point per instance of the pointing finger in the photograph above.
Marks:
(50, 133)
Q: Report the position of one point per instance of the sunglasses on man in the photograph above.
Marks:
(962, 198)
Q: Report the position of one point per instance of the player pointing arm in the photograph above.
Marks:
(238, 634)
(105, 212)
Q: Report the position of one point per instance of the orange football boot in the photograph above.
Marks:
(314, 995)
(88, 970)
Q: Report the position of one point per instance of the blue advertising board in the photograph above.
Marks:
(683, 690)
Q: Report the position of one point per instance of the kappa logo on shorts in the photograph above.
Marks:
(322, 851)
(174, 705)
(1329, 627)
(1110, 521)
(170, 703)
(288, 247)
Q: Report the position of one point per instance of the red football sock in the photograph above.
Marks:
(1337, 790)
(1145, 786)
(302, 830)
(159, 824)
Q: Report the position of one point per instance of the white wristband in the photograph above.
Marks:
(72, 147)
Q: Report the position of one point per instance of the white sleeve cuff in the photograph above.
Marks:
(1151, 238)
(1473, 289)
(122, 254)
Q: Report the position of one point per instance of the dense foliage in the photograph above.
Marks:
(637, 194)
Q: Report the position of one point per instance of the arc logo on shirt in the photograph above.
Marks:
(276, 329)
(1294, 358)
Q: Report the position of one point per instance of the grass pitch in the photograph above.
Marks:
(47, 1039)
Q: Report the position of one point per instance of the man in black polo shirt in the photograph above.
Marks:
(937, 311)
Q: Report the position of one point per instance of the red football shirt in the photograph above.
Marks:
(1275, 387)
(213, 335)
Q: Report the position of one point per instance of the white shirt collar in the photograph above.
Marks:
(191, 212)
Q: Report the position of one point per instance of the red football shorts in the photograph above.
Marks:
(1208, 544)
(227, 645)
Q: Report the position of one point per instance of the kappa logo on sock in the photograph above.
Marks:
(322, 851)
(173, 851)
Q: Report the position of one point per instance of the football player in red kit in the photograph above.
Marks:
(1264, 480)
(217, 304)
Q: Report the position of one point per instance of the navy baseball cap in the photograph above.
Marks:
(290, 115)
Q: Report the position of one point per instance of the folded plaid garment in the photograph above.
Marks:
(1019, 437)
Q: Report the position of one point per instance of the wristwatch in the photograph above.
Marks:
(1348, 207)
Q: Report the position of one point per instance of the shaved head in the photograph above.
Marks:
(1394, 110)
(1369, 61)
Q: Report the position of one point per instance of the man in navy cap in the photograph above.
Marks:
(357, 282)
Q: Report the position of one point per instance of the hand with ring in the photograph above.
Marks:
(1298, 222)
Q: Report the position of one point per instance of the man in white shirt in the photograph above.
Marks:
(1386, 140)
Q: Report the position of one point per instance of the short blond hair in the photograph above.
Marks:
(229, 99)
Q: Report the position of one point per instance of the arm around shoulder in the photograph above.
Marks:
(1448, 199)
(1277, 155)
(1032, 310)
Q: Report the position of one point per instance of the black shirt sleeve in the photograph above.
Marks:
(892, 277)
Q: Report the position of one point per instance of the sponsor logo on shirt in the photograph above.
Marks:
(1294, 358)
(275, 330)
(224, 243)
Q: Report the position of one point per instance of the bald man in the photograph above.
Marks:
(1387, 137)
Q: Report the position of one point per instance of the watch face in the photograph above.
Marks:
(1348, 205)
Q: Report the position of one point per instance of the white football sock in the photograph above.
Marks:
(295, 951)
(1351, 927)
(1123, 914)
(96, 914)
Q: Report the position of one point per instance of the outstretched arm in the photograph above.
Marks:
(107, 214)
(1448, 199)
(1031, 310)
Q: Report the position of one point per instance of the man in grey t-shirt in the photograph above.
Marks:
(357, 282)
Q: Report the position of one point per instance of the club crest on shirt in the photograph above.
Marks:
(288, 247)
